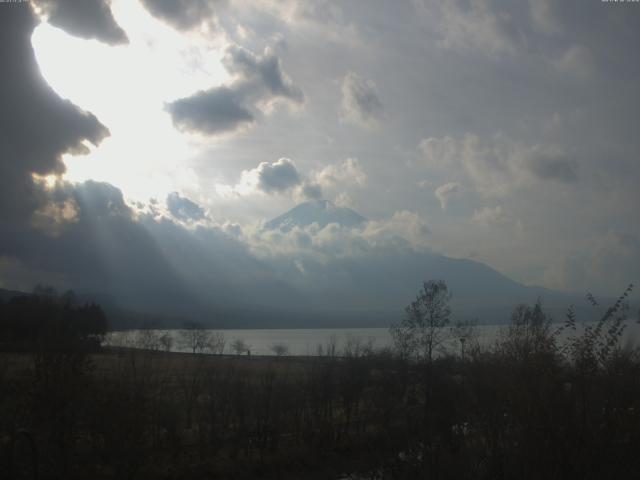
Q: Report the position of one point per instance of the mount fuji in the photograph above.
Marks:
(377, 283)
(320, 212)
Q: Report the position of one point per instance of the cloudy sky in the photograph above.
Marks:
(155, 137)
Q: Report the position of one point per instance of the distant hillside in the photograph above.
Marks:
(219, 281)
(117, 318)
(374, 286)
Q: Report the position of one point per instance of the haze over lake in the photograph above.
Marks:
(306, 342)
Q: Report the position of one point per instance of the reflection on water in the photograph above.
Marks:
(311, 342)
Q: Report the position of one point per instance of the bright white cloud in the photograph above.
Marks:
(445, 192)
(126, 88)
(404, 229)
(349, 172)
(439, 153)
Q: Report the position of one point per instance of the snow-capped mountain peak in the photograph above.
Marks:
(322, 212)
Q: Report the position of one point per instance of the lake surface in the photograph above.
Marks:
(316, 341)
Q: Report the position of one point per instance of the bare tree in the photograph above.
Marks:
(357, 347)
(529, 333)
(279, 349)
(166, 340)
(422, 331)
(403, 340)
(239, 346)
(217, 342)
(329, 349)
(195, 337)
(147, 340)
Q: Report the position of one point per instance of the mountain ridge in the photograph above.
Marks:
(231, 287)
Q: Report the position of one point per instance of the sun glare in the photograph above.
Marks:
(126, 87)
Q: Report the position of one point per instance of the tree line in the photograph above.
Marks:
(48, 319)
(546, 400)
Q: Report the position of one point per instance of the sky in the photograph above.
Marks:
(146, 143)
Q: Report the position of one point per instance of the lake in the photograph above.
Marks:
(311, 342)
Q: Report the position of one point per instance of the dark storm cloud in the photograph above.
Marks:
(551, 167)
(90, 19)
(182, 14)
(259, 80)
(211, 112)
(184, 209)
(36, 126)
(277, 177)
(360, 101)
(98, 200)
(311, 191)
(264, 71)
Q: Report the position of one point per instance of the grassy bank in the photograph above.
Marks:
(519, 410)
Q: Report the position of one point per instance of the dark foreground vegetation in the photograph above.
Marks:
(532, 406)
